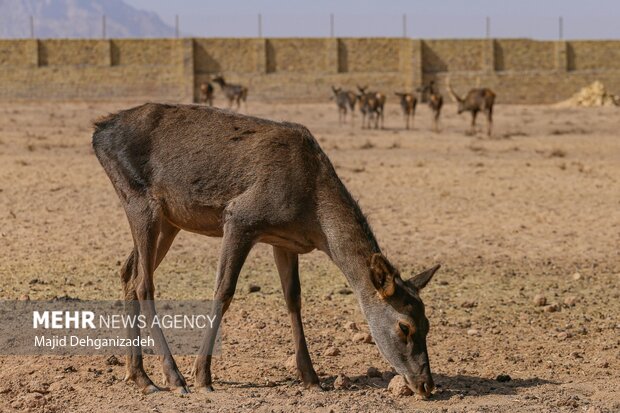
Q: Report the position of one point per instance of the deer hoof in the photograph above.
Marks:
(150, 389)
(206, 389)
(181, 389)
(314, 387)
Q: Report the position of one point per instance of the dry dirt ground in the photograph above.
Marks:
(534, 210)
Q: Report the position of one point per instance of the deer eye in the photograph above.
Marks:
(404, 328)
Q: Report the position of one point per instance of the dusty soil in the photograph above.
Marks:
(535, 210)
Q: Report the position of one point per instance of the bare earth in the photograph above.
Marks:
(535, 210)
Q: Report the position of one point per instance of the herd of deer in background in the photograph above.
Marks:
(372, 103)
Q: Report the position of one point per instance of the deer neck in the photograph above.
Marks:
(349, 241)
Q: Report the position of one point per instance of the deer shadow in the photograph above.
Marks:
(447, 386)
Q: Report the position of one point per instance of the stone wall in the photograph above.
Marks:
(299, 69)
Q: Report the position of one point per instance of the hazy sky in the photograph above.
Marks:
(583, 19)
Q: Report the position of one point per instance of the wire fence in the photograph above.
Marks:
(314, 25)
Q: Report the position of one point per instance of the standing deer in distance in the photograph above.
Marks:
(372, 105)
(476, 100)
(408, 102)
(345, 100)
(234, 93)
(250, 180)
(206, 93)
(431, 95)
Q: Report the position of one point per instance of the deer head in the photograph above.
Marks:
(219, 79)
(398, 323)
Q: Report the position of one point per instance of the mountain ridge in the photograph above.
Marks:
(78, 19)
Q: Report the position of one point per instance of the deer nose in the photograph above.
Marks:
(425, 385)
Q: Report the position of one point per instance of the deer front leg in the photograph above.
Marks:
(288, 268)
(489, 121)
(236, 245)
(474, 114)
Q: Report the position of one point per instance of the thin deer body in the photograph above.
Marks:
(234, 93)
(345, 100)
(408, 102)
(431, 95)
(372, 105)
(477, 100)
(249, 180)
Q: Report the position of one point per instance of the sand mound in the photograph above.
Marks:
(591, 96)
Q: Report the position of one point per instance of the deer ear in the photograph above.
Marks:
(419, 281)
(382, 275)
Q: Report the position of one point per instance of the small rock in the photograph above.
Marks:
(363, 337)
(503, 378)
(576, 355)
(253, 288)
(260, 325)
(540, 300)
(603, 364)
(342, 382)
(24, 297)
(469, 304)
(332, 351)
(398, 387)
(570, 301)
(345, 291)
(113, 361)
(576, 276)
(387, 376)
(34, 400)
(352, 326)
(373, 372)
(551, 308)
(562, 336)
(473, 332)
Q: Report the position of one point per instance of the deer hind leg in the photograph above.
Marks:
(153, 237)
(235, 248)
(288, 268)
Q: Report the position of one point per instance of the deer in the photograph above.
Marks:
(345, 100)
(371, 105)
(408, 102)
(431, 95)
(476, 100)
(234, 93)
(249, 180)
(206, 93)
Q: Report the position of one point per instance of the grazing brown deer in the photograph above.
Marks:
(234, 93)
(345, 100)
(476, 100)
(372, 105)
(250, 180)
(431, 95)
(408, 103)
(206, 93)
